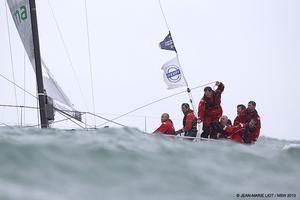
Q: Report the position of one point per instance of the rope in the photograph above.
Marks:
(68, 54)
(11, 60)
(90, 59)
(18, 86)
(153, 102)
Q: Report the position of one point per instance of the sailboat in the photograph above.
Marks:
(51, 97)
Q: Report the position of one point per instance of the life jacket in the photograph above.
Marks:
(251, 115)
(246, 134)
(211, 105)
(194, 123)
(243, 116)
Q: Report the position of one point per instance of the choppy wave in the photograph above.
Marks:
(128, 164)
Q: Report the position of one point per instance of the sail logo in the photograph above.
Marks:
(173, 74)
(20, 15)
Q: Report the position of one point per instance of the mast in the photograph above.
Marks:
(38, 66)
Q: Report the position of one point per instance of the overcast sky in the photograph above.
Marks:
(252, 46)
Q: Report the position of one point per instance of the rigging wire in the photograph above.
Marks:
(108, 120)
(24, 94)
(18, 86)
(1, 123)
(70, 119)
(93, 114)
(18, 106)
(188, 89)
(162, 11)
(153, 102)
(11, 60)
(90, 59)
(36, 108)
(68, 55)
(136, 116)
(66, 119)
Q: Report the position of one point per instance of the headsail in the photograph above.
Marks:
(20, 11)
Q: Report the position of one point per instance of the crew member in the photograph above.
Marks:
(210, 110)
(241, 115)
(166, 126)
(254, 124)
(189, 121)
(224, 130)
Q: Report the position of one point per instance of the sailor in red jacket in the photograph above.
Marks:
(210, 110)
(241, 115)
(189, 122)
(166, 126)
(254, 124)
(235, 133)
(224, 130)
(217, 128)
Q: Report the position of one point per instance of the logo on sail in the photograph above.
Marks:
(20, 14)
(173, 74)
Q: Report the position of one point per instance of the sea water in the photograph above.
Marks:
(127, 164)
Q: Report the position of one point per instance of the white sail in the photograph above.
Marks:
(20, 11)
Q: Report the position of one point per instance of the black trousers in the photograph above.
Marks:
(210, 130)
(191, 134)
(206, 131)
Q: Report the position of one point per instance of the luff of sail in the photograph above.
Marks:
(20, 11)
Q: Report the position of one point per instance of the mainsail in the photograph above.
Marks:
(20, 11)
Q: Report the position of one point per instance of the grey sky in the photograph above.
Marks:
(251, 46)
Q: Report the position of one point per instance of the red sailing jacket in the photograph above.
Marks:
(254, 133)
(234, 132)
(240, 118)
(190, 122)
(210, 109)
(166, 128)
